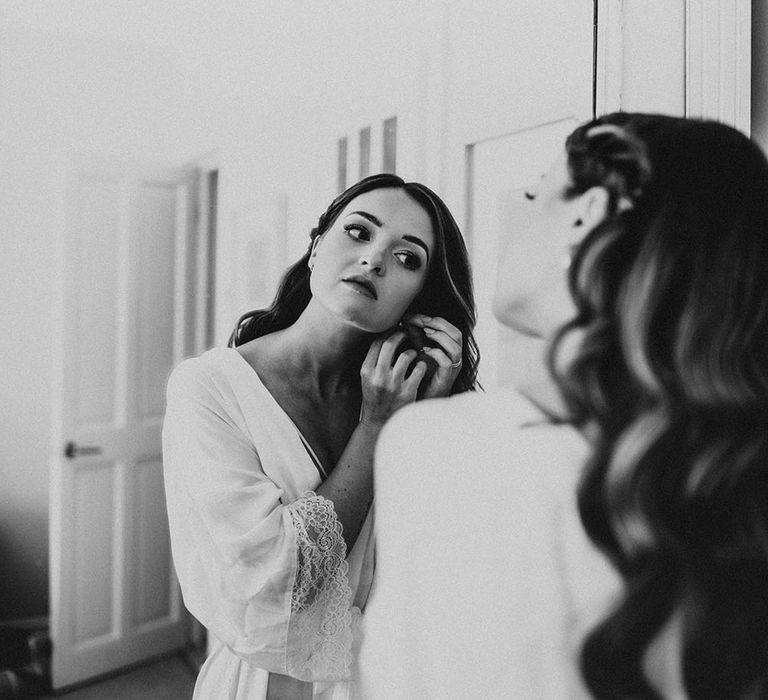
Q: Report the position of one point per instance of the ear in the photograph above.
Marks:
(589, 209)
(313, 251)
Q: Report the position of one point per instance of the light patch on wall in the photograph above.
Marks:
(365, 151)
(341, 177)
(389, 146)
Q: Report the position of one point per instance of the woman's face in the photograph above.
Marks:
(531, 288)
(373, 261)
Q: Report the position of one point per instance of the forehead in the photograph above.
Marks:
(396, 210)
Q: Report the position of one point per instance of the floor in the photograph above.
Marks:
(167, 679)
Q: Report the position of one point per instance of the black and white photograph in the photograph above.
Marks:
(384, 349)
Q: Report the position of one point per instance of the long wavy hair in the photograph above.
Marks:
(671, 376)
(447, 290)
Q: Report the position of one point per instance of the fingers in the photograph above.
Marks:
(382, 350)
(389, 347)
(402, 363)
(442, 333)
(372, 356)
(443, 361)
(417, 374)
(436, 323)
(384, 383)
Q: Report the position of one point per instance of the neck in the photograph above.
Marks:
(536, 383)
(321, 349)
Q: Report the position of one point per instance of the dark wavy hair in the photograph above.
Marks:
(447, 290)
(671, 377)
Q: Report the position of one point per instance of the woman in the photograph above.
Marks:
(268, 444)
(653, 409)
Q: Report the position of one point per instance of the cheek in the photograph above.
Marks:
(326, 262)
(406, 288)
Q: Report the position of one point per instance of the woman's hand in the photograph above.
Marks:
(447, 353)
(383, 377)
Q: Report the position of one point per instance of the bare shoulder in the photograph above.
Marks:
(253, 352)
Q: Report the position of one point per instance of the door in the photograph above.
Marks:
(536, 84)
(126, 271)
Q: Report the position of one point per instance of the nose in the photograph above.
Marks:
(373, 259)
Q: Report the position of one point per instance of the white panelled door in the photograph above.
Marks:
(114, 597)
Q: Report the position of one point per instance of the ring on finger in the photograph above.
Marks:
(456, 364)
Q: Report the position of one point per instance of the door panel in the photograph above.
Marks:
(502, 168)
(92, 537)
(153, 587)
(114, 597)
(154, 322)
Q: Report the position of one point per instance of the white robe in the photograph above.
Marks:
(258, 554)
(485, 581)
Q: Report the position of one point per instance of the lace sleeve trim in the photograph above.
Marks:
(319, 644)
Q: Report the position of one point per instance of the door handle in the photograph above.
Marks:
(71, 450)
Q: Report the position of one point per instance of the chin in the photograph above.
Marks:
(366, 323)
(352, 314)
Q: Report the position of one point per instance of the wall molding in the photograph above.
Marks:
(609, 56)
(717, 61)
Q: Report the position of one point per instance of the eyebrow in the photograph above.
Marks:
(412, 239)
(368, 216)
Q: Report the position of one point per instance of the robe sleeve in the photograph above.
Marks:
(268, 578)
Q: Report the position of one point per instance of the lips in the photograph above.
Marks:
(362, 284)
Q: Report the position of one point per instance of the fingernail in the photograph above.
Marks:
(430, 331)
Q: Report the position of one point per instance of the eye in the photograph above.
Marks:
(358, 232)
(410, 260)
(530, 196)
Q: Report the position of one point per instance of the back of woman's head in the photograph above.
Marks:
(671, 291)
(447, 291)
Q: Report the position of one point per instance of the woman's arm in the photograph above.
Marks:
(350, 484)
(385, 390)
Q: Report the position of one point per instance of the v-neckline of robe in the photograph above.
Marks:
(251, 371)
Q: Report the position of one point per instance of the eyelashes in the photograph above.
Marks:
(408, 259)
(361, 233)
